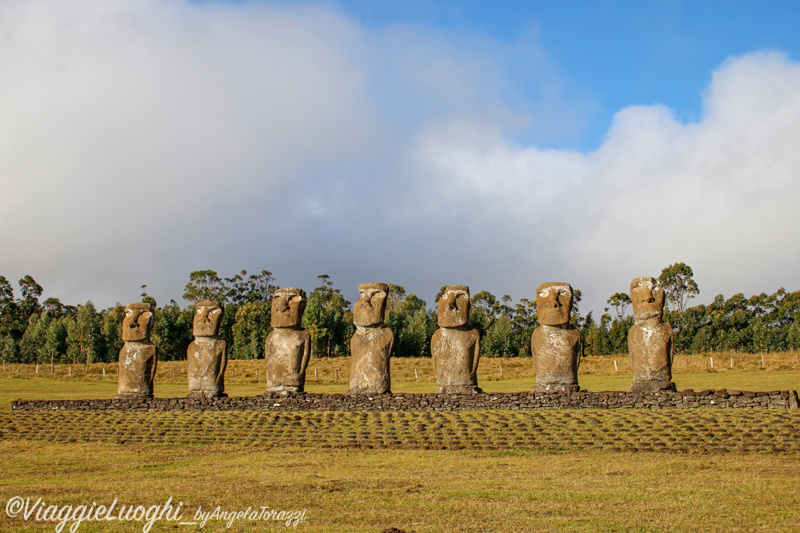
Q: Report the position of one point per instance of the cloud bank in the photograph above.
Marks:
(142, 140)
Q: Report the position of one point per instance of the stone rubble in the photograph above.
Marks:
(275, 401)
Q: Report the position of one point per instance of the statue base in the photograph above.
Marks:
(132, 396)
(366, 392)
(557, 388)
(653, 386)
(459, 389)
(285, 389)
(201, 395)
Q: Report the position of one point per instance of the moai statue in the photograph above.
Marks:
(556, 346)
(455, 346)
(288, 347)
(207, 356)
(137, 358)
(650, 339)
(371, 344)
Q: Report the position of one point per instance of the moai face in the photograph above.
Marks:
(647, 296)
(554, 303)
(453, 307)
(287, 308)
(137, 323)
(207, 319)
(371, 306)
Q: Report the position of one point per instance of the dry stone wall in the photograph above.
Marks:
(687, 399)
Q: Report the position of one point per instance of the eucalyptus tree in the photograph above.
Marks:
(329, 320)
(679, 285)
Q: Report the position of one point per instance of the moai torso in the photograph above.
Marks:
(137, 358)
(371, 344)
(650, 339)
(370, 349)
(455, 347)
(287, 352)
(287, 349)
(557, 353)
(555, 345)
(207, 355)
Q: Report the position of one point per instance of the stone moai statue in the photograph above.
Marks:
(650, 339)
(288, 347)
(207, 356)
(455, 346)
(371, 344)
(556, 346)
(137, 358)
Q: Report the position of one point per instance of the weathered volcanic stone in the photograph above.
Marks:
(650, 340)
(556, 346)
(288, 347)
(455, 346)
(207, 355)
(137, 358)
(371, 344)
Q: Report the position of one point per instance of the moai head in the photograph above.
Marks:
(647, 296)
(453, 306)
(287, 307)
(207, 319)
(137, 323)
(371, 305)
(554, 303)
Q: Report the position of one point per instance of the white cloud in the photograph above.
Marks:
(720, 194)
(132, 130)
(142, 140)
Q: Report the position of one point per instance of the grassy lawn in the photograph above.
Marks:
(559, 470)
(422, 491)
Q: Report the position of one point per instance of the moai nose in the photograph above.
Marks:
(552, 299)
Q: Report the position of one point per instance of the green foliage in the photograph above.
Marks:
(172, 331)
(617, 337)
(620, 302)
(575, 314)
(84, 340)
(679, 285)
(55, 345)
(499, 338)
(205, 285)
(32, 344)
(242, 289)
(505, 329)
(34, 332)
(413, 327)
(112, 331)
(250, 330)
(328, 320)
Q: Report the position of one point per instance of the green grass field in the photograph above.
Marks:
(559, 470)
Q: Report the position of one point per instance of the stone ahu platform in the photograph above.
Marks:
(687, 399)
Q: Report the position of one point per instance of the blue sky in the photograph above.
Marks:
(611, 54)
(498, 145)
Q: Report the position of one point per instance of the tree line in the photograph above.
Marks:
(51, 332)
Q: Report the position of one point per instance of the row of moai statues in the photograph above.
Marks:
(206, 356)
(556, 345)
(455, 347)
